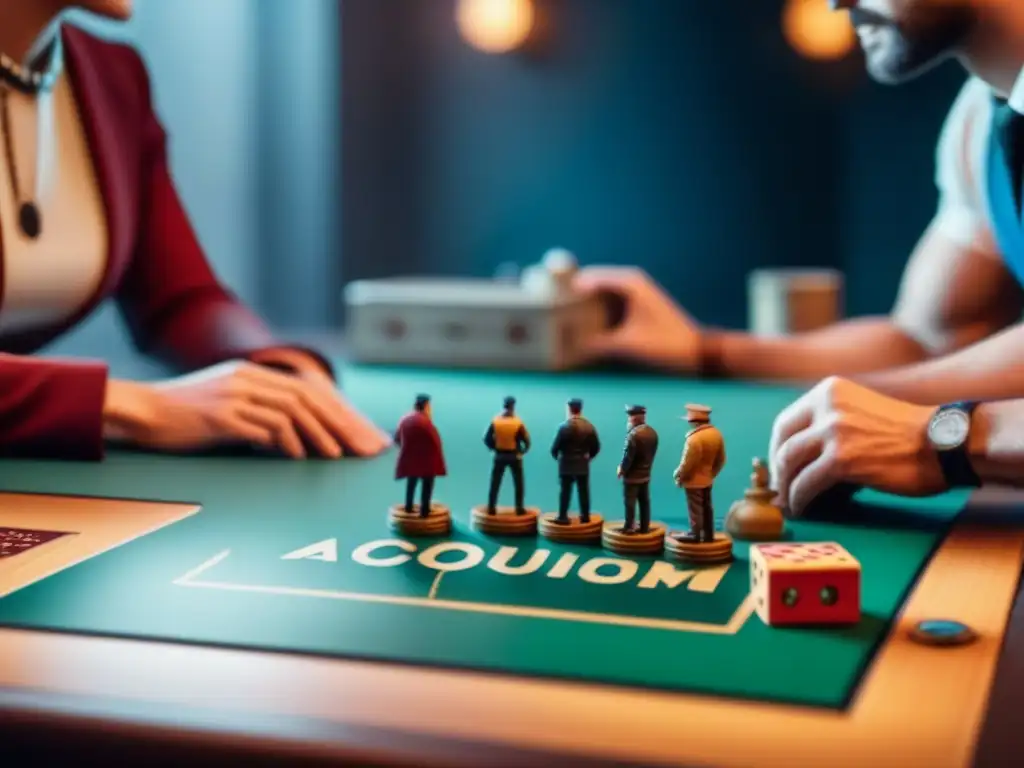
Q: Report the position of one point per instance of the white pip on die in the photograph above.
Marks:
(805, 584)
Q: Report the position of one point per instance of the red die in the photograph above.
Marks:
(805, 584)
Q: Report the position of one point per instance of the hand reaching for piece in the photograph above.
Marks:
(654, 331)
(843, 433)
(241, 403)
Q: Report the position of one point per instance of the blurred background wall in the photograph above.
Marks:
(249, 93)
(319, 141)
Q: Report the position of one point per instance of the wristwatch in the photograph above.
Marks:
(948, 430)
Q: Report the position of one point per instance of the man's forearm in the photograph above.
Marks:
(992, 369)
(847, 348)
(996, 445)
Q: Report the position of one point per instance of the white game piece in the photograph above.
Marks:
(559, 260)
(538, 281)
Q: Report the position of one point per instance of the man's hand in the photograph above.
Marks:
(241, 402)
(654, 331)
(841, 432)
(618, 471)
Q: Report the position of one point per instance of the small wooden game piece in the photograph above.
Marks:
(615, 537)
(508, 439)
(756, 517)
(635, 468)
(505, 521)
(420, 456)
(942, 632)
(438, 522)
(574, 531)
(702, 459)
(815, 583)
(681, 547)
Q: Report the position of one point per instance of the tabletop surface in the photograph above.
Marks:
(267, 553)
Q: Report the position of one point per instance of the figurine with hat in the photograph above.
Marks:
(509, 440)
(635, 468)
(702, 459)
(420, 462)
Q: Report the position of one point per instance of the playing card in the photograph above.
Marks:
(14, 541)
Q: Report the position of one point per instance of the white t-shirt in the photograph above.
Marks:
(960, 166)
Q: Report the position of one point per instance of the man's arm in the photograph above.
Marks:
(628, 454)
(995, 445)
(951, 295)
(523, 438)
(955, 289)
(687, 462)
(556, 444)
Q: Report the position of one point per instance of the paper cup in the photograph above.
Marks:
(793, 300)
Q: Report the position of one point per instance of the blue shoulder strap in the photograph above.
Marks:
(1007, 225)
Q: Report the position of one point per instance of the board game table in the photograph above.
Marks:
(246, 602)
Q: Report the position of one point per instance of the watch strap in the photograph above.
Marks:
(956, 462)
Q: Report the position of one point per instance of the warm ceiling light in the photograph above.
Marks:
(816, 31)
(495, 26)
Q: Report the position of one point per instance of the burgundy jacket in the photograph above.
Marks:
(420, 453)
(156, 271)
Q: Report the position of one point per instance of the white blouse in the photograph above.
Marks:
(47, 279)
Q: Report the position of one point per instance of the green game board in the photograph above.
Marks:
(299, 557)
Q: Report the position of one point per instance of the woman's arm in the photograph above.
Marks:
(51, 409)
(173, 304)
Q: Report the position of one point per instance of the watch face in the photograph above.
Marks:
(949, 429)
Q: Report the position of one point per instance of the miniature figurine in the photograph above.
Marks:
(420, 454)
(575, 446)
(702, 459)
(508, 438)
(635, 468)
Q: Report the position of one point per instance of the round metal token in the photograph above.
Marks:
(942, 632)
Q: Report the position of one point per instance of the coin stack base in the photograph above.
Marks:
(505, 521)
(437, 523)
(574, 532)
(615, 540)
(699, 553)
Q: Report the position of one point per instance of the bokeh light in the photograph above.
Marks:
(816, 31)
(495, 26)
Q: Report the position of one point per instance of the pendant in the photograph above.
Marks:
(30, 219)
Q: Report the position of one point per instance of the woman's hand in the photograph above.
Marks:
(241, 402)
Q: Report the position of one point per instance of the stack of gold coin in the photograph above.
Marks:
(616, 540)
(573, 532)
(437, 523)
(505, 521)
(699, 553)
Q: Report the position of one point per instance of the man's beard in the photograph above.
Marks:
(925, 36)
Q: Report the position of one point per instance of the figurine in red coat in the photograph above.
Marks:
(420, 454)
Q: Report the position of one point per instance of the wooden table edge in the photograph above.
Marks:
(916, 705)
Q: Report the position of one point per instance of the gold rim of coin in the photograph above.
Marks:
(419, 527)
(575, 530)
(724, 557)
(437, 509)
(651, 548)
(504, 512)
